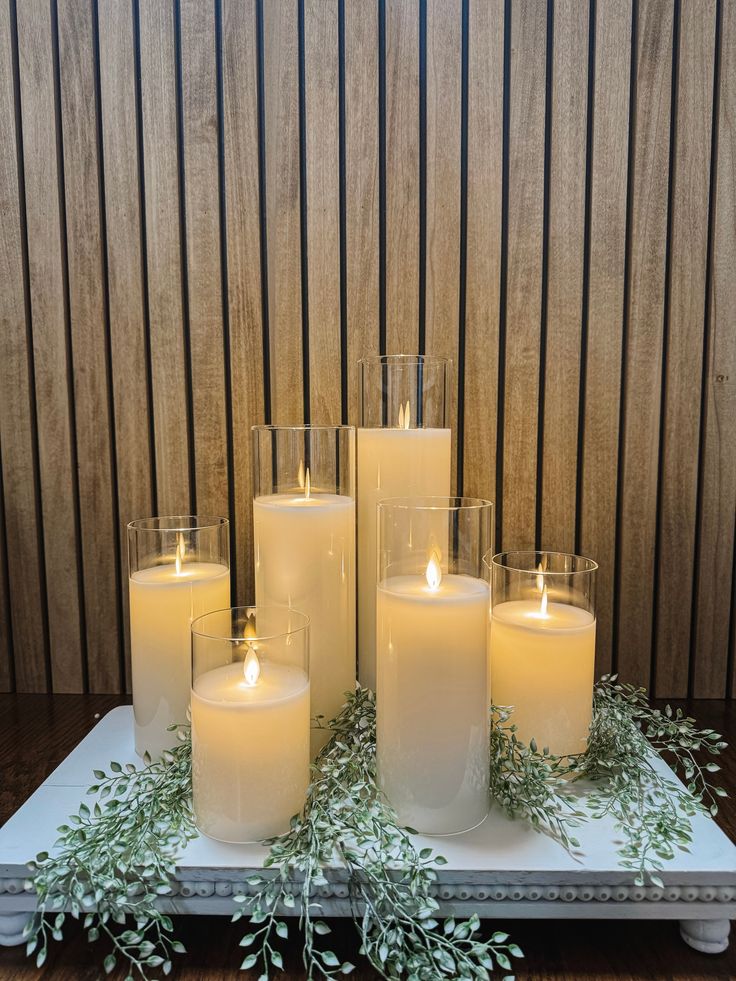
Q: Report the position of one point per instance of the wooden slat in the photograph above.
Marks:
(201, 197)
(644, 346)
(361, 188)
(98, 527)
(687, 286)
(605, 308)
(281, 69)
(125, 277)
(524, 280)
(46, 269)
(22, 533)
(485, 147)
(240, 80)
(168, 367)
(565, 274)
(444, 53)
(718, 509)
(323, 211)
(402, 177)
(6, 630)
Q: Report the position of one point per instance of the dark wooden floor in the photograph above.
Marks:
(38, 731)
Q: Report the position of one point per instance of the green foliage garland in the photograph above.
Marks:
(114, 861)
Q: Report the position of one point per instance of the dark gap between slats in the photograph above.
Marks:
(544, 305)
(225, 298)
(422, 185)
(10, 652)
(625, 334)
(666, 314)
(342, 165)
(382, 176)
(117, 553)
(303, 209)
(463, 257)
(263, 226)
(183, 259)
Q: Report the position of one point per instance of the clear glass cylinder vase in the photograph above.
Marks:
(250, 721)
(404, 449)
(304, 543)
(542, 645)
(179, 568)
(432, 699)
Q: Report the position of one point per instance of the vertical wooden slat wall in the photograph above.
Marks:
(211, 209)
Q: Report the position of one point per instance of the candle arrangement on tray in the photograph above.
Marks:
(482, 667)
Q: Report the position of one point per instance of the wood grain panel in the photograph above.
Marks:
(684, 364)
(643, 365)
(240, 85)
(718, 506)
(283, 219)
(597, 504)
(201, 199)
(323, 208)
(17, 395)
(361, 189)
(163, 239)
(483, 267)
(88, 315)
(127, 306)
(48, 288)
(402, 177)
(524, 275)
(568, 120)
(444, 53)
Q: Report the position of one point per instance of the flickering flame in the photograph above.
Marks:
(404, 415)
(179, 556)
(304, 479)
(300, 474)
(307, 485)
(182, 545)
(543, 603)
(434, 572)
(540, 577)
(251, 668)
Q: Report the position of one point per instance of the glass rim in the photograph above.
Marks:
(436, 503)
(496, 561)
(258, 638)
(404, 359)
(304, 427)
(178, 522)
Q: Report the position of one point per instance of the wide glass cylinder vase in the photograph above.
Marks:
(404, 449)
(432, 698)
(542, 645)
(179, 569)
(250, 721)
(304, 544)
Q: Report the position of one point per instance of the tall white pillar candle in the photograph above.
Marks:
(401, 462)
(165, 596)
(305, 559)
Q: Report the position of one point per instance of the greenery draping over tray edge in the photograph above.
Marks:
(117, 858)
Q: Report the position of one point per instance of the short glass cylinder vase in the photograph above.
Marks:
(404, 449)
(179, 568)
(304, 545)
(432, 698)
(250, 721)
(542, 645)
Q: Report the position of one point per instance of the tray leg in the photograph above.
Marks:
(12, 926)
(707, 936)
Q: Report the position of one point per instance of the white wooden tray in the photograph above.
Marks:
(501, 869)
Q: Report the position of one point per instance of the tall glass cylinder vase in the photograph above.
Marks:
(250, 721)
(542, 645)
(179, 569)
(304, 541)
(404, 449)
(432, 694)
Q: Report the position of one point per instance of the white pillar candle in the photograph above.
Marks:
(432, 699)
(305, 559)
(164, 600)
(542, 657)
(250, 749)
(391, 463)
